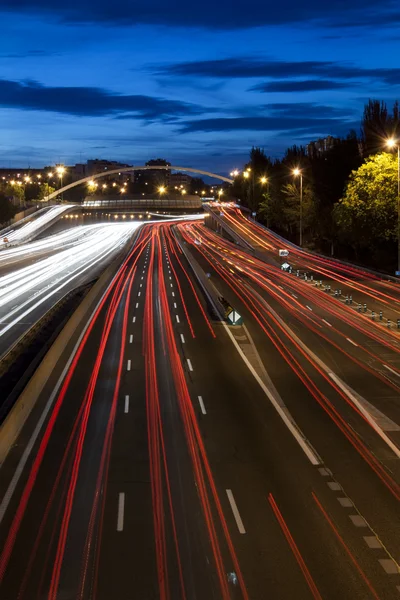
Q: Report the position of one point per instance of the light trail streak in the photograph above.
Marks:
(257, 310)
(37, 462)
(36, 225)
(34, 285)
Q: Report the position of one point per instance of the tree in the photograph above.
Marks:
(367, 214)
(7, 209)
(45, 190)
(291, 207)
(377, 125)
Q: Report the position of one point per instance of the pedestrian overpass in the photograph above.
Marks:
(132, 169)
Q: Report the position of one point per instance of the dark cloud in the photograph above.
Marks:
(307, 85)
(294, 124)
(224, 14)
(308, 109)
(250, 67)
(89, 101)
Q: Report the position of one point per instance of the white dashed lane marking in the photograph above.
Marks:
(326, 323)
(351, 342)
(202, 407)
(235, 511)
(358, 520)
(133, 319)
(389, 566)
(137, 304)
(131, 339)
(189, 364)
(333, 485)
(121, 510)
(182, 338)
(126, 407)
(177, 319)
(345, 502)
(128, 366)
(372, 541)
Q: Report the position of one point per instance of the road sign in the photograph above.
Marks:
(397, 273)
(285, 266)
(283, 252)
(253, 214)
(234, 318)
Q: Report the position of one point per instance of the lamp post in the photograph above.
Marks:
(60, 173)
(264, 181)
(297, 172)
(392, 143)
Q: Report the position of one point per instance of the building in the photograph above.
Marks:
(180, 180)
(154, 177)
(321, 146)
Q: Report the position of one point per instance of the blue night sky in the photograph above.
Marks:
(198, 84)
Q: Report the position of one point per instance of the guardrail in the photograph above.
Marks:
(338, 260)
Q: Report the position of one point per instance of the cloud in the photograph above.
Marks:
(213, 15)
(250, 67)
(90, 101)
(305, 85)
(296, 124)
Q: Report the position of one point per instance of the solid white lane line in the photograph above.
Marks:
(131, 339)
(351, 342)
(189, 364)
(326, 322)
(235, 511)
(309, 307)
(182, 338)
(126, 409)
(137, 304)
(128, 366)
(121, 510)
(177, 319)
(203, 408)
(391, 370)
(133, 319)
(174, 304)
(277, 404)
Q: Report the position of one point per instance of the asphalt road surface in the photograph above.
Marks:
(162, 469)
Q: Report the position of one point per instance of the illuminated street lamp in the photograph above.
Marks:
(263, 180)
(60, 172)
(392, 143)
(162, 190)
(298, 173)
(183, 192)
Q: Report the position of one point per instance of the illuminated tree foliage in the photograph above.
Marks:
(367, 213)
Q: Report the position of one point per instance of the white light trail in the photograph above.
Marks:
(25, 289)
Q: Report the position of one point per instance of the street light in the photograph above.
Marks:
(60, 172)
(392, 143)
(263, 180)
(161, 190)
(297, 173)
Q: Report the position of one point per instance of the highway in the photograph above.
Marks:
(378, 292)
(34, 276)
(31, 226)
(163, 469)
